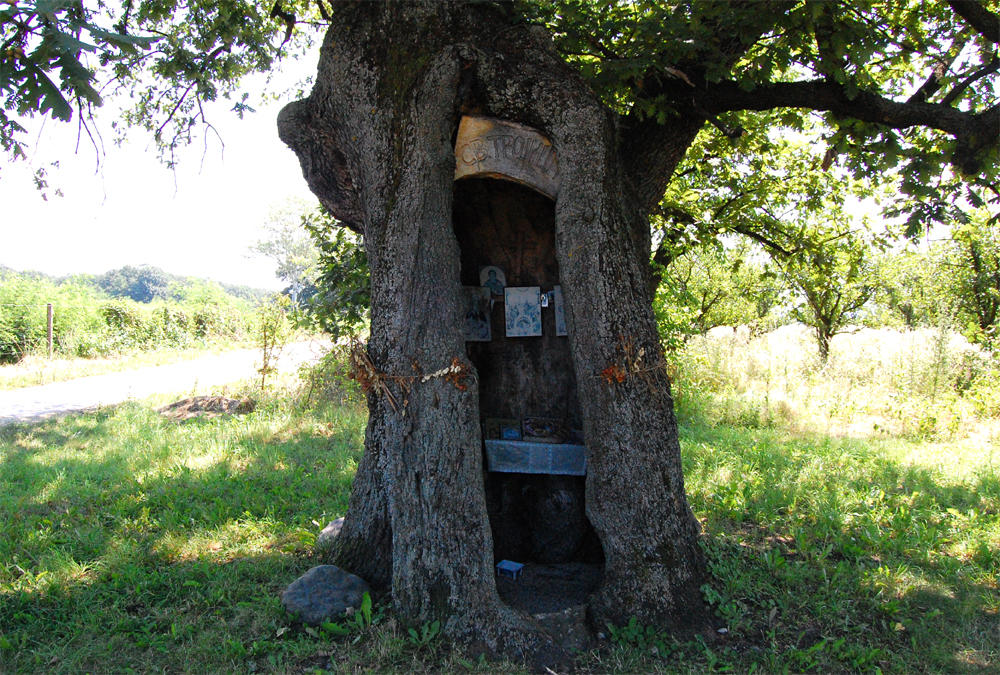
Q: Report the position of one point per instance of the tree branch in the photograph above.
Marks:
(974, 131)
(663, 255)
(833, 97)
(933, 82)
(980, 18)
(653, 150)
(764, 241)
(978, 74)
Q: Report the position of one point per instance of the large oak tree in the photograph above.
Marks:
(375, 140)
(643, 102)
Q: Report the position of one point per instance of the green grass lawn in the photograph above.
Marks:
(845, 554)
(128, 542)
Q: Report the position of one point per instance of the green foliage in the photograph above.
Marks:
(649, 59)
(914, 288)
(833, 279)
(166, 58)
(339, 302)
(762, 186)
(142, 284)
(88, 323)
(23, 314)
(975, 274)
(127, 327)
(325, 267)
(21, 329)
(292, 250)
(40, 39)
(644, 638)
(425, 636)
(272, 330)
(212, 309)
(356, 621)
(122, 316)
(714, 285)
(954, 281)
(170, 326)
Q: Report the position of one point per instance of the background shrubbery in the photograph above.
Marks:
(93, 317)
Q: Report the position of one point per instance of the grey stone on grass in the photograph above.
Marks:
(326, 538)
(323, 593)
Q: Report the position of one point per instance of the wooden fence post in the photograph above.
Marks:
(48, 317)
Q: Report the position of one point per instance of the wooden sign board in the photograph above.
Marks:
(492, 148)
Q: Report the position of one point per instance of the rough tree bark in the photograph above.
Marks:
(374, 139)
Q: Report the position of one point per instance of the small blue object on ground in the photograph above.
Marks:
(509, 569)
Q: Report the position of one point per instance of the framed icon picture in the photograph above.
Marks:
(476, 317)
(523, 311)
(493, 278)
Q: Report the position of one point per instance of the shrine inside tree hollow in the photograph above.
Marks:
(507, 178)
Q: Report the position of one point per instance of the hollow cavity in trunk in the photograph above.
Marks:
(536, 519)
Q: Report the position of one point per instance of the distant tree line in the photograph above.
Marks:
(124, 310)
(952, 281)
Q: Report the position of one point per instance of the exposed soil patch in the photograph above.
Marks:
(206, 406)
(550, 588)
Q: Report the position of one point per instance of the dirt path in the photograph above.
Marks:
(29, 404)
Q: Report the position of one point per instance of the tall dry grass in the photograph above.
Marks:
(928, 383)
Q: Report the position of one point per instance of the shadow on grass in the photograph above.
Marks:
(826, 554)
(141, 544)
(128, 542)
(142, 612)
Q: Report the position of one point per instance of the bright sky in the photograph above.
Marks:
(200, 220)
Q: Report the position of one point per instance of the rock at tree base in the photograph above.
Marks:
(326, 538)
(323, 593)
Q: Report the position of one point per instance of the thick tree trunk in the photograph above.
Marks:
(375, 142)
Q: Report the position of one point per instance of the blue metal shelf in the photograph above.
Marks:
(564, 459)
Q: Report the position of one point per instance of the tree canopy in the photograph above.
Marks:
(885, 90)
(161, 61)
(895, 92)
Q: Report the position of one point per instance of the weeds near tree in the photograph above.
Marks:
(273, 331)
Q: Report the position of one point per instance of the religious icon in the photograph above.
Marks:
(523, 311)
(493, 278)
(544, 430)
(502, 429)
(477, 314)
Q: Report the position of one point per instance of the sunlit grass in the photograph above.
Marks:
(130, 542)
(852, 509)
(927, 384)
